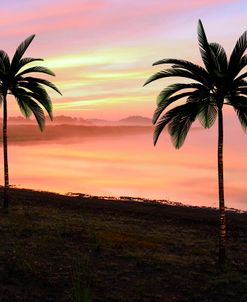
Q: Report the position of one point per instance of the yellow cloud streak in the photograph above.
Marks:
(96, 102)
(105, 56)
(116, 75)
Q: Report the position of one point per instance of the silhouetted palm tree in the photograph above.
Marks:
(220, 82)
(28, 91)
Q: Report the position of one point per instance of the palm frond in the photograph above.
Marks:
(241, 83)
(163, 121)
(176, 115)
(44, 99)
(179, 126)
(207, 112)
(172, 73)
(238, 52)
(189, 66)
(24, 62)
(242, 90)
(242, 64)
(237, 100)
(43, 82)
(20, 51)
(236, 84)
(220, 56)
(4, 61)
(27, 85)
(25, 110)
(205, 50)
(36, 110)
(174, 88)
(39, 69)
(166, 102)
(241, 77)
(39, 94)
(242, 115)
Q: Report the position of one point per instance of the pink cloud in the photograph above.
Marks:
(93, 18)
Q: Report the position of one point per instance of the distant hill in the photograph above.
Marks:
(100, 122)
(63, 119)
(136, 120)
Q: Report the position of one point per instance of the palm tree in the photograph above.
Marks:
(28, 91)
(220, 82)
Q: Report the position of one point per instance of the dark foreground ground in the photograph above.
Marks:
(61, 248)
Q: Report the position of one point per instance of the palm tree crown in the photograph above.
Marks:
(220, 82)
(28, 91)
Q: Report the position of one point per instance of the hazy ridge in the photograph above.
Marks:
(31, 133)
(63, 119)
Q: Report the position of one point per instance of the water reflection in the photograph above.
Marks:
(128, 164)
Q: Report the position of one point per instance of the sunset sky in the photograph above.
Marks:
(102, 50)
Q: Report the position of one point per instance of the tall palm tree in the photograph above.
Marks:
(28, 91)
(220, 82)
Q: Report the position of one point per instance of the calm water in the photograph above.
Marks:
(130, 165)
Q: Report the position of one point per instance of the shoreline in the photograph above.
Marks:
(120, 201)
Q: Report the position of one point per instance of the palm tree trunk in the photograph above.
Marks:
(222, 234)
(5, 155)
